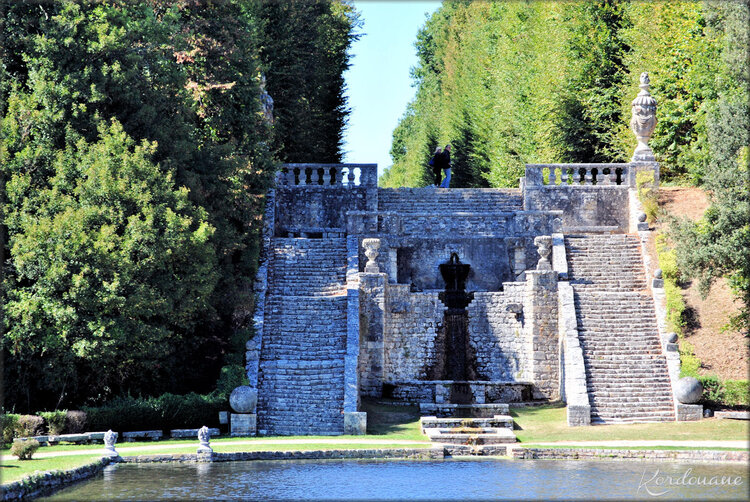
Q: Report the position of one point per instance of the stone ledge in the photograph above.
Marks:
(638, 455)
(44, 483)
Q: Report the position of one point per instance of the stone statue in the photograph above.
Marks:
(643, 121)
(204, 437)
(266, 101)
(110, 438)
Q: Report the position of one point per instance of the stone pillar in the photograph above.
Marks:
(540, 313)
(371, 324)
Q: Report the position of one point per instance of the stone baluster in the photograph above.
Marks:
(302, 176)
(588, 177)
(552, 176)
(564, 176)
(604, 179)
(350, 177)
(314, 176)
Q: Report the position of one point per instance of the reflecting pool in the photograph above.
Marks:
(457, 479)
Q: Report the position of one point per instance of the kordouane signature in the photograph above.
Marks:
(658, 484)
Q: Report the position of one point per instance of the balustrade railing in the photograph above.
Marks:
(577, 174)
(328, 175)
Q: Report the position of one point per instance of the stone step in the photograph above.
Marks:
(497, 421)
(463, 410)
(485, 436)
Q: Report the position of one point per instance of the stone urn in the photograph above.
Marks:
(543, 245)
(643, 121)
(372, 250)
(243, 399)
(688, 390)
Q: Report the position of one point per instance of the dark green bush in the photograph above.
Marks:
(30, 425)
(55, 421)
(168, 411)
(231, 376)
(726, 394)
(75, 422)
(24, 449)
(9, 422)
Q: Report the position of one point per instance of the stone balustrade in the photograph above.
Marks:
(328, 175)
(577, 174)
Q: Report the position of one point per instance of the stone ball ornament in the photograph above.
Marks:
(243, 399)
(688, 390)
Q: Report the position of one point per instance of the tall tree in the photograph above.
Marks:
(303, 48)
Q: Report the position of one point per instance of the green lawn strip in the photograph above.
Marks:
(13, 470)
(548, 424)
(599, 447)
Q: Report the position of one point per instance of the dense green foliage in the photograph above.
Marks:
(510, 83)
(165, 412)
(134, 156)
(719, 244)
(303, 48)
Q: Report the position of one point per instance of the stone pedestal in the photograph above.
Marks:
(243, 424)
(689, 412)
(540, 313)
(372, 305)
(355, 423)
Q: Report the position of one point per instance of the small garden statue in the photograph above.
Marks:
(110, 438)
(204, 437)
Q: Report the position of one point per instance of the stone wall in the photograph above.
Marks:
(495, 332)
(418, 260)
(319, 209)
(410, 331)
(585, 207)
(497, 335)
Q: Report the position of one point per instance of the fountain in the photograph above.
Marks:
(457, 363)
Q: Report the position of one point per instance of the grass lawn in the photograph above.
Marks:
(13, 470)
(548, 423)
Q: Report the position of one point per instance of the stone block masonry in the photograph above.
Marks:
(332, 325)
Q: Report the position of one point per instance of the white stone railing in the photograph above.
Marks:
(577, 174)
(328, 175)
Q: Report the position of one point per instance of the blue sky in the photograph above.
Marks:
(379, 86)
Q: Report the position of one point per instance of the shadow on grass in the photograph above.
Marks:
(390, 419)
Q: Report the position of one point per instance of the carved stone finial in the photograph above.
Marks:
(543, 245)
(204, 436)
(643, 121)
(371, 251)
(110, 438)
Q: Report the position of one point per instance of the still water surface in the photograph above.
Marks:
(415, 480)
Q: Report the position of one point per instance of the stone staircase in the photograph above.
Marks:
(479, 434)
(449, 200)
(304, 339)
(626, 371)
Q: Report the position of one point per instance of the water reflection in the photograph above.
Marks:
(413, 480)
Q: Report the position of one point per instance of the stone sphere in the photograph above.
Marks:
(688, 390)
(671, 337)
(658, 273)
(243, 399)
(642, 217)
